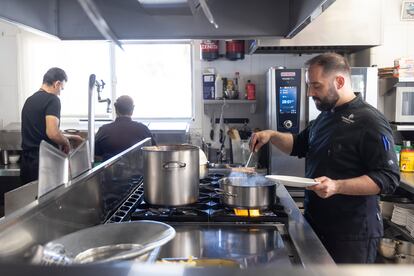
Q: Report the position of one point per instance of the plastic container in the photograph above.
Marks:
(407, 157)
(397, 149)
(218, 87)
(209, 50)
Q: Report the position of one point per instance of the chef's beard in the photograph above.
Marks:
(327, 103)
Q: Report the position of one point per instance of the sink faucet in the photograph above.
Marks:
(99, 88)
(91, 110)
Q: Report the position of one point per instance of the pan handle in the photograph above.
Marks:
(174, 165)
(224, 193)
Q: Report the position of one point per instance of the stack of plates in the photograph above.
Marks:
(386, 208)
(410, 223)
(400, 213)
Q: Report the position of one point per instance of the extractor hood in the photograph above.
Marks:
(162, 19)
(347, 26)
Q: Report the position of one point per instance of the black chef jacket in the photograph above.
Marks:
(119, 135)
(352, 140)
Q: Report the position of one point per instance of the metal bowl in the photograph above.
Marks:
(107, 241)
(387, 248)
(405, 248)
(404, 259)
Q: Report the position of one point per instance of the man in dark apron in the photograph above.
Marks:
(349, 151)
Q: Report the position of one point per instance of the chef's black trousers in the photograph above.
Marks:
(352, 252)
(29, 166)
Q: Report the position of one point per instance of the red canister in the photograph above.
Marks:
(209, 50)
(250, 90)
(234, 49)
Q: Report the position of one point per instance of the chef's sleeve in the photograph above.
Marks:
(379, 157)
(301, 142)
(53, 107)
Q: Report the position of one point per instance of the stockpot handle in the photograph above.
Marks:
(224, 193)
(174, 165)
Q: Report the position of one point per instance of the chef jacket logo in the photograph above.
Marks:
(349, 119)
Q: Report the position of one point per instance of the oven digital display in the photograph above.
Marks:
(287, 98)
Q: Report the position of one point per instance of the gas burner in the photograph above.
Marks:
(135, 179)
(215, 176)
(205, 181)
(208, 208)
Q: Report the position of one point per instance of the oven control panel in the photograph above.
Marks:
(288, 87)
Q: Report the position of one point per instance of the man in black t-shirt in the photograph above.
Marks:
(117, 136)
(40, 121)
(349, 152)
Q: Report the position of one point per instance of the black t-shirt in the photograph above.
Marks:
(34, 113)
(352, 140)
(117, 136)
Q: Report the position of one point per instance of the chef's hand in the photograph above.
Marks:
(75, 140)
(66, 147)
(325, 188)
(259, 139)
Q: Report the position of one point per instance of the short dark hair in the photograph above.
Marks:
(54, 74)
(124, 105)
(330, 62)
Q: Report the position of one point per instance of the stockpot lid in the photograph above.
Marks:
(247, 181)
(168, 148)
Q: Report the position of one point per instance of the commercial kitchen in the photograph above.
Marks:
(204, 75)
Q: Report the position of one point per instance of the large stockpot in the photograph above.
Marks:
(247, 191)
(171, 174)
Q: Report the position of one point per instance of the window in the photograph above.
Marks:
(157, 77)
(79, 59)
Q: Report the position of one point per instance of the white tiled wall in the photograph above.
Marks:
(254, 68)
(397, 40)
(8, 74)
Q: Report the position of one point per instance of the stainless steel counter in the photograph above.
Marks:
(307, 244)
(407, 181)
(88, 200)
(10, 170)
(130, 269)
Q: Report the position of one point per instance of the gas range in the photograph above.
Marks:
(207, 209)
(210, 230)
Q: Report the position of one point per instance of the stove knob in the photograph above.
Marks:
(287, 124)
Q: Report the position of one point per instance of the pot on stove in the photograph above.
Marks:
(251, 191)
(171, 174)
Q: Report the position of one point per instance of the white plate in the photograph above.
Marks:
(293, 181)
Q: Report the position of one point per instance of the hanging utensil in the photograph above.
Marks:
(212, 124)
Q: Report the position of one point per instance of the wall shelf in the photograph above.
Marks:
(252, 103)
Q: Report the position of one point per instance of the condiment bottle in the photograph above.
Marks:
(407, 157)
(250, 90)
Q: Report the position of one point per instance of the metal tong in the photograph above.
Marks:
(250, 156)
